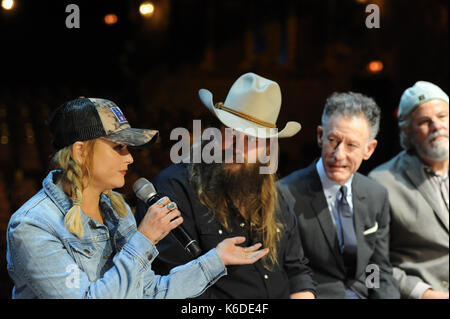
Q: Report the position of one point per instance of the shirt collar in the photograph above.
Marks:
(429, 171)
(331, 188)
(58, 196)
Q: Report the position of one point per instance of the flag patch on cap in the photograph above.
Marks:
(119, 115)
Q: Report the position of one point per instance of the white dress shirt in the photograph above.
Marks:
(331, 190)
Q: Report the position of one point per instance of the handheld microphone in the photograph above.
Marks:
(146, 192)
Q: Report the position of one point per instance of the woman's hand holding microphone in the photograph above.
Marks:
(160, 219)
(164, 216)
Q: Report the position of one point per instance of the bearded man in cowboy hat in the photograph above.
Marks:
(235, 197)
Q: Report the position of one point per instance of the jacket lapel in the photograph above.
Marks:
(414, 170)
(323, 215)
(359, 216)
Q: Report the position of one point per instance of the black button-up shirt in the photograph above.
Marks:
(243, 281)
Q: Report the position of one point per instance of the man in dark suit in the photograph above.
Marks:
(343, 216)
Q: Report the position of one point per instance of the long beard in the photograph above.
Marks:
(254, 195)
(241, 185)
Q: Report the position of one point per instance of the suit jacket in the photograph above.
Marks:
(303, 191)
(419, 225)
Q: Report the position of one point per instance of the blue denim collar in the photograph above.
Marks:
(57, 195)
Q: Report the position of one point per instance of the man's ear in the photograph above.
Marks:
(370, 148)
(319, 135)
(78, 155)
(405, 128)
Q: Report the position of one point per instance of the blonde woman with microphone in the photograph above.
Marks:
(77, 238)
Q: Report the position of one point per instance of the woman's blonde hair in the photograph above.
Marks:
(71, 181)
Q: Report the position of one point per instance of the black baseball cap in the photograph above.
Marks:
(84, 119)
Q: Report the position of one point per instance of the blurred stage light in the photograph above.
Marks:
(146, 9)
(8, 4)
(375, 66)
(110, 19)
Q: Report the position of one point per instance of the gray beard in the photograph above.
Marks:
(436, 152)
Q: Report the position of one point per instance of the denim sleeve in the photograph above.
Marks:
(38, 259)
(187, 281)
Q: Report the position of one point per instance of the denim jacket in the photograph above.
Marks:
(111, 260)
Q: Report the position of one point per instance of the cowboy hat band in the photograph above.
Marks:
(250, 118)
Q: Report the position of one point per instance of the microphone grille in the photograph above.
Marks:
(143, 189)
(139, 183)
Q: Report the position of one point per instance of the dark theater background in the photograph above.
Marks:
(152, 63)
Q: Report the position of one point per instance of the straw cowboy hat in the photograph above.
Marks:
(252, 107)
